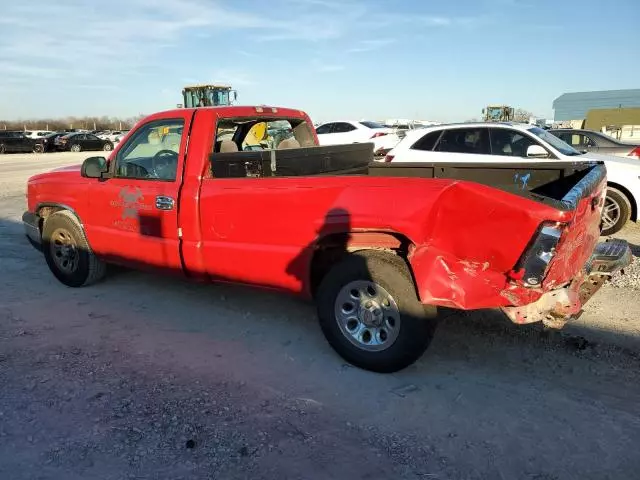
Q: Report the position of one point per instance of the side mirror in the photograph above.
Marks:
(537, 151)
(94, 167)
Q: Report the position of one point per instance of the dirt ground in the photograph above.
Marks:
(144, 377)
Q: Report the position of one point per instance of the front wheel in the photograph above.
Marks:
(2, 149)
(107, 147)
(75, 148)
(370, 314)
(616, 212)
(38, 148)
(67, 251)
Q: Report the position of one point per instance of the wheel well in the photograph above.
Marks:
(330, 249)
(45, 211)
(627, 193)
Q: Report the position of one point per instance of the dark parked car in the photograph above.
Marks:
(17, 142)
(48, 142)
(77, 142)
(596, 142)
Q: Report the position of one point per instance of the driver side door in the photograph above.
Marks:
(135, 211)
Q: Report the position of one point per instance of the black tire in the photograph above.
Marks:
(107, 147)
(38, 148)
(3, 149)
(76, 147)
(624, 213)
(90, 268)
(417, 321)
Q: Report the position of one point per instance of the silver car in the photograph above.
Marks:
(596, 142)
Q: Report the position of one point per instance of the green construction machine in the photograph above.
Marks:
(497, 113)
(208, 95)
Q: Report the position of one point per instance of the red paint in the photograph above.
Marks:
(466, 238)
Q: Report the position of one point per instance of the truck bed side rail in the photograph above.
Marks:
(558, 184)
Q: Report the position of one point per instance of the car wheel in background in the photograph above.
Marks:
(616, 212)
(107, 147)
(76, 148)
(38, 148)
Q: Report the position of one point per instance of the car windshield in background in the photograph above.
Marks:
(372, 124)
(554, 141)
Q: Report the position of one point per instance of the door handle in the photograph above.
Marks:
(164, 203)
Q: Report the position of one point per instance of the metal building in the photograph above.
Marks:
(574, 106)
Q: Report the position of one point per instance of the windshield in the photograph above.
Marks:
(372, 124)
(555, 142)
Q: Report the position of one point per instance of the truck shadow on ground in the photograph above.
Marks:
(483, 339)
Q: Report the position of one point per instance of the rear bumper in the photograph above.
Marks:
(31, 223)
(558, 306)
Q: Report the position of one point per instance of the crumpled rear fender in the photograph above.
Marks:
(474, 236)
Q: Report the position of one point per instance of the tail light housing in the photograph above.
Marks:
(635, 152)
(534, 263)
(378, 134)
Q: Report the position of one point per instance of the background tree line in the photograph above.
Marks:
(86, 123)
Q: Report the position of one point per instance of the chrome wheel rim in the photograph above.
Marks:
(367, 315)
(107, 147)
(75, 148)
(610, 213)
(64, 251)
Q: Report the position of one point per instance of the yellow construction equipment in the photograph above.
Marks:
(497, 113)
(208, 95)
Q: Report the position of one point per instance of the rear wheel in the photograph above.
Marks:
(370, 314)
(67, 251)
(107, 147)
(38, 148)
(76, 148)
(616, 212)
(2, 149)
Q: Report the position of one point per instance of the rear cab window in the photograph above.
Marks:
(252, 134)
(243, 145)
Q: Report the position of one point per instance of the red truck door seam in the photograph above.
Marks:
(179, 196)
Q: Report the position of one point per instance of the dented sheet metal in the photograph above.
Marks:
(471, 266)
(555, 307)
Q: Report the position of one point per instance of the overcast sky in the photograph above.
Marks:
(356, 59)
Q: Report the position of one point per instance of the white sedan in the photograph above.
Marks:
(513, 143)
(341, 132)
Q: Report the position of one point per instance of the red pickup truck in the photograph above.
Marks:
(246, 195)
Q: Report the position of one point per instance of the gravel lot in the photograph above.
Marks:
(156, 378)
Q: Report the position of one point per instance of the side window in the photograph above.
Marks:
(427, 142)
(581, 141)
(91, 137)
(343, 127)
(326, 128)
(565, 137)
(510, 143)
(152, 152)
(465, 140)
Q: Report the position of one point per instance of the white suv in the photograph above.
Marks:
(513, 142)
